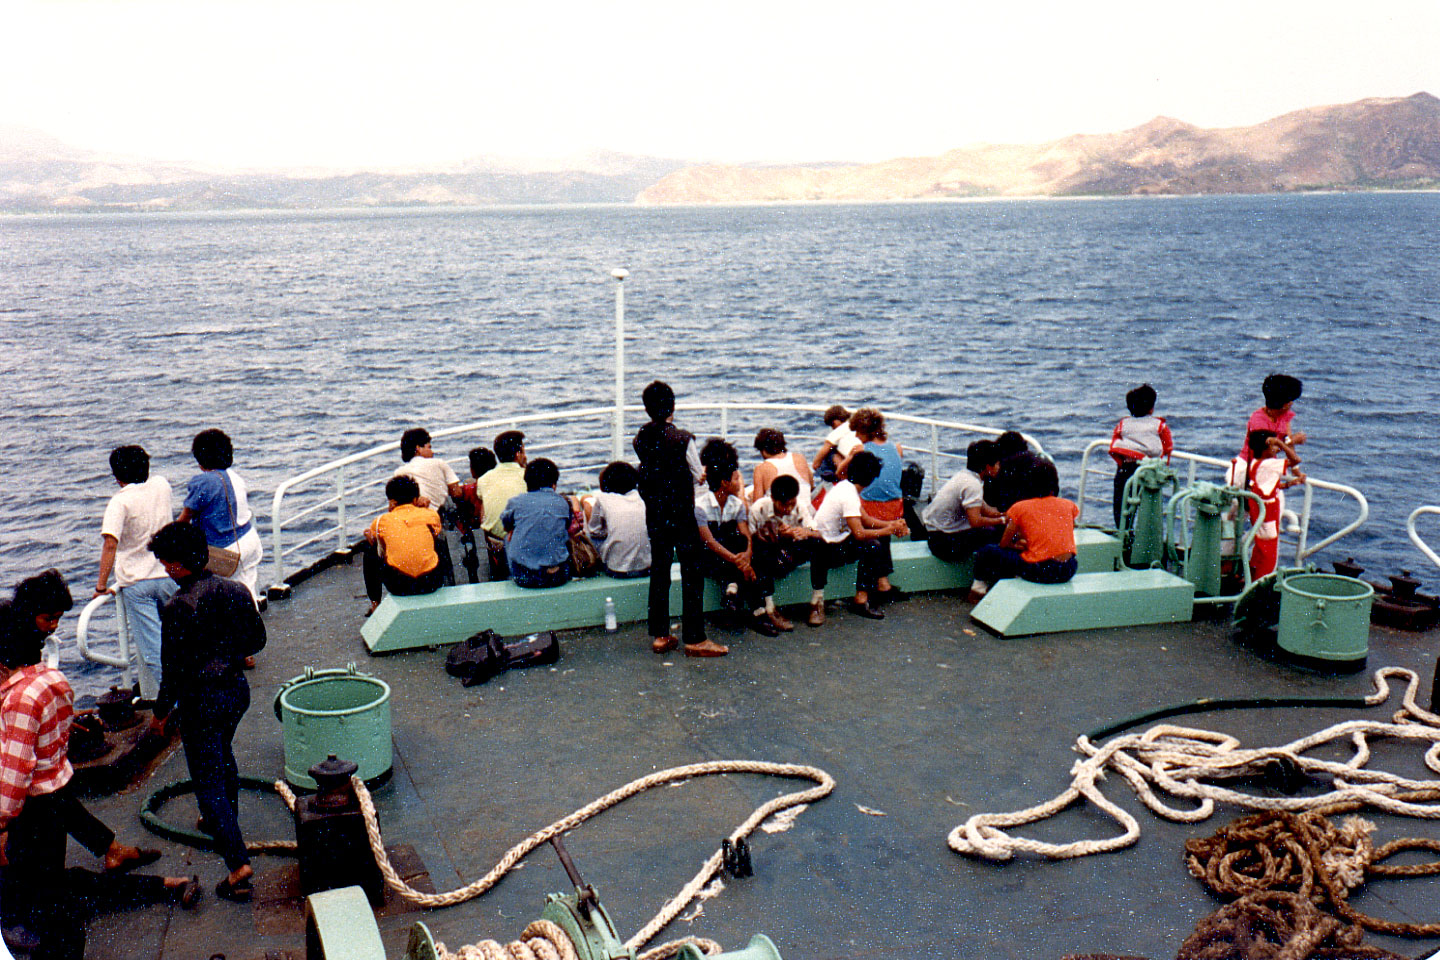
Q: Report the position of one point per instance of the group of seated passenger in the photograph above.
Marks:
(843, 507)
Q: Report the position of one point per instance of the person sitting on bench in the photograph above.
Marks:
(405, 536)
(538, 526)
(959, 520)
(722, 519)
(850, 535)
(782, 529)
(495, 488)
(1039, 539)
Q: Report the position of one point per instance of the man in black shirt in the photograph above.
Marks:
(207, 631)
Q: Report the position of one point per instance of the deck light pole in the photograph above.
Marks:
(617, 450)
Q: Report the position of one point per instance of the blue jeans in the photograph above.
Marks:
(994, 562)
(209, 714)
(540, 579)
(142, 601)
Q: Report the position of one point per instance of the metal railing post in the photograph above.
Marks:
(1415, 534)
(724, 422)
(618, 439)
(1305, 514)
(934, 459)
(340, 539)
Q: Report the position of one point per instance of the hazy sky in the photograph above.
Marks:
(355, 82)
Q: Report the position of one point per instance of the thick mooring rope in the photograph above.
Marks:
(1182, 761)
(540, 942)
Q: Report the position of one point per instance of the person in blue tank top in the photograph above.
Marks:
(881, 499)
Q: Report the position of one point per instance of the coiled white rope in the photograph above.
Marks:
(1178, 761)
(538, 941)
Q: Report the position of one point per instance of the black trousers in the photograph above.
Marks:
(752, 593)
(1123, 472)
(666, 545)
(871, 557)
(378, 573)
(960, 545)
(52, 902)
(208, 718)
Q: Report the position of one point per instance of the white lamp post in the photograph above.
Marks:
(617, 448)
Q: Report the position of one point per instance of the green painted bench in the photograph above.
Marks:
(451, 614)
(1122, 598)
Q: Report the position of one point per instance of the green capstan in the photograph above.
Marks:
(1142, 514)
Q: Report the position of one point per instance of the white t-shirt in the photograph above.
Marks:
(841, 502)
(762, 514)
(842, 438)
(434, 477)
(946, 513)
(132, 517)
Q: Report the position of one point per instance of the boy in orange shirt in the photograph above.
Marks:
(1039, 540)
(406, 535)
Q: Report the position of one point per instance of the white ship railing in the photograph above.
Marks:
(333, 513)
(1415, 535)
(123, 660)
(1296, 525)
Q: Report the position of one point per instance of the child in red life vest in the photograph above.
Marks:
(1264, 473)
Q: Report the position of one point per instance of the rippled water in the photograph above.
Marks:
(310, 336)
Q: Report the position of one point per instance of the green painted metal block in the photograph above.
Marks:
(1096, 551)
(1124, 598)
(451, 614)
(339, 925)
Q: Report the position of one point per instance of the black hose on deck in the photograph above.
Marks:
(1207, 704)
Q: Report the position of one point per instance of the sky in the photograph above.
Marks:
(426, 82)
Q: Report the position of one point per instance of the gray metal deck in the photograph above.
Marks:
(925, 717)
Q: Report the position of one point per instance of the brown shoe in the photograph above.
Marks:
(664, 644)
(705, 648)
(817, 615)
(781, 624)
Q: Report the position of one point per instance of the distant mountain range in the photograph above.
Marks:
(1369, 144)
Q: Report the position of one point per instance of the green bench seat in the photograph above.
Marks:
(451, 614)
(1122, 598)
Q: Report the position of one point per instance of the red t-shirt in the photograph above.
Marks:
(1261, 420)
(1047, 524)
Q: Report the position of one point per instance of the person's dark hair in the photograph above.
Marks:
(508, 445)
(770, 442)
(864, 468)
(980, 454)
(659, 400)
(402, 489)
(541, 473)
(43, 593)
(784, 487)
(619, 477)
(212, 450)
(181, 543)
(130, 464)
(1141, 401)
(1010, 443)
(719, 460)
(1258, 441)
(1280, 389)
(835, 415)
(482, 461)
(1041, 480)
(411, 440)
(868, 423)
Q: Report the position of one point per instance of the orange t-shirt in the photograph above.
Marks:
(1047, 525)
(408, 533)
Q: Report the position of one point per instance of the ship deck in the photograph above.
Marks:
(923, 719)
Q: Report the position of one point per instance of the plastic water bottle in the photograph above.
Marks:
(611, 622)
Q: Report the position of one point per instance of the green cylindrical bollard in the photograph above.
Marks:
(1202, 558)
(1144, 512)
(1325, 617)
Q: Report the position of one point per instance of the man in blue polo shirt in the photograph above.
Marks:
(537, 526)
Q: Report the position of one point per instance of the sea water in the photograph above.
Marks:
(307, 336)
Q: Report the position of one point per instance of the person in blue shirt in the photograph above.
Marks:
(217, 501)
(537, 529)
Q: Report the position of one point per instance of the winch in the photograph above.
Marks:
(340, 926)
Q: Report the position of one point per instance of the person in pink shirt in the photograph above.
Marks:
(1281, 391)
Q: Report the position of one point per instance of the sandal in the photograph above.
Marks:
(188, 894)
(239, 892)
(143, 858)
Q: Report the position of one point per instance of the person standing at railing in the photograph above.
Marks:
(439, 485)
(1140, 435)
(1278, 414)
(218, 502)
(131, 518)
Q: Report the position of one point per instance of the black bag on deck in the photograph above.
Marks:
(485, 655)
(477, 659)
(538, 649)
